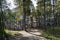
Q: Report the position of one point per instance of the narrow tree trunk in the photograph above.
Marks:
(44, 16)
(24, 15)
(53, 15)
(24, 20)
(1, 24)
(32, 21)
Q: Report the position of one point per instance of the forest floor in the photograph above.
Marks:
(33, 34)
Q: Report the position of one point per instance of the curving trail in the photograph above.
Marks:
(32, 35)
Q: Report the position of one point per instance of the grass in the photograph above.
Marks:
(10, 32)
(47, 34)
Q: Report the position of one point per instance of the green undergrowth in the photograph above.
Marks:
(49, 36)
(10, 32)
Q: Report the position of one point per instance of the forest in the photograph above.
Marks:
(27, 15)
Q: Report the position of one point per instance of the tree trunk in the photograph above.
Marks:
(44, 16)
(2, 32)
(32, 21)
(24, 15)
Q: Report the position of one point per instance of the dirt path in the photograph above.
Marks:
(32, 35)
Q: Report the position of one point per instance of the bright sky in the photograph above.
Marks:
(11, 2)
(34, 3)
(52, 2)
